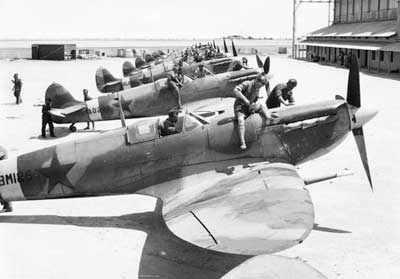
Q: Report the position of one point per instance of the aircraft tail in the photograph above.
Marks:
(106, 82)
(59, 96)
(128, 68)
(139, 62)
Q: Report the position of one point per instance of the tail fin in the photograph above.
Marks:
(59, 96)
(128, 68)
(106, 82)
(148, 58)
(139, 62)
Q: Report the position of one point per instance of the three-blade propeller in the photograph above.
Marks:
(359, 115)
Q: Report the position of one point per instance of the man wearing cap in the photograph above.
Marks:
(247, 94)
(46, 119)
(201, 71)
(169, 125)
(282, 94)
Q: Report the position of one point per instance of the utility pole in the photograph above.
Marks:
(296, 4)
(294, 28)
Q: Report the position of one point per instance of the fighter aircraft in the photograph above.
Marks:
(140, 74)
(256, 202)
(150, 99)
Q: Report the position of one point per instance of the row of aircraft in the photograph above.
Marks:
(256, 202)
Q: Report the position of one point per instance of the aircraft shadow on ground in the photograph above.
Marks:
(164, 255)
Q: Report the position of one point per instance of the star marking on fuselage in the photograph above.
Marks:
(56, 173)
(125, 105)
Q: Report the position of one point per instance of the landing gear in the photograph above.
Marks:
(72, 128)
(6, 207)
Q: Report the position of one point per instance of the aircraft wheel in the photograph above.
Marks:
(72, 128)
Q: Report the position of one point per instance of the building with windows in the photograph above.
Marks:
(369, 28)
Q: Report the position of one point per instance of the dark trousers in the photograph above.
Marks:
(175, 91)
(17, 94)
(51, 127)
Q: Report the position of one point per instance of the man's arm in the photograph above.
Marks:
(280, 98)
(238, 93)
(290, 99)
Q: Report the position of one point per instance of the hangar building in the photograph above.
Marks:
(370, 28)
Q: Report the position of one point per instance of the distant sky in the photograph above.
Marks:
(156, 18)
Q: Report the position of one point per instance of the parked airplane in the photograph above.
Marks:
(150, 99)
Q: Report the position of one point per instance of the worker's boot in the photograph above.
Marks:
(6, 207)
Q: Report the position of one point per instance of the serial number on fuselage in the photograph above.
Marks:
(13, 178)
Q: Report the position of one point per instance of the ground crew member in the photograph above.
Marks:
(169, 125)
(282, 94)
(46, 119)
(247, 94)
(17, 89)
(201, 71)
(174, 84)
(86, 97)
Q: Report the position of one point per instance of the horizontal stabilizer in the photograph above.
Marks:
(68, 110)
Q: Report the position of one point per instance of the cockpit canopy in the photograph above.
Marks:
(150, 129)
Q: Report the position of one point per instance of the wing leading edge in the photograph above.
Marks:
(252, 212)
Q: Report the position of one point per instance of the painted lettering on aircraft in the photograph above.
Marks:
(15, 177)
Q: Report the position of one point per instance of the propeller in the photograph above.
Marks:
(360, 116)
(267, 65)
(128, 68)
(259, 61)
(234, 49)
(225, 47)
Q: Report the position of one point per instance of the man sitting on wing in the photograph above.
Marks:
(247, 94)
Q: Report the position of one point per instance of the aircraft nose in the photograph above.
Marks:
(361, 116)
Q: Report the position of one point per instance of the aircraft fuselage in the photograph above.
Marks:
(128, 160)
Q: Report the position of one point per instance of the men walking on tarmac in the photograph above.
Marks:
(46, 119)
(201, 71)
(247, 94)
(17, 88)
(86, 97)
(174, 84)
(282, 94)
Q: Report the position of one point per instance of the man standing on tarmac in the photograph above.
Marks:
(17, 88)
(247, 94)
(46, 119)
(86, 97)
(282, 94)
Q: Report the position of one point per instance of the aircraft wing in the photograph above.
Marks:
(68, 110)
(251, 211)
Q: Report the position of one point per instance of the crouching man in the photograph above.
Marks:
(247, 94)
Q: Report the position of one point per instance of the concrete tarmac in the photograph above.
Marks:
(357, 232)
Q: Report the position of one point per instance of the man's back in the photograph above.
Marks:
(280, 90)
